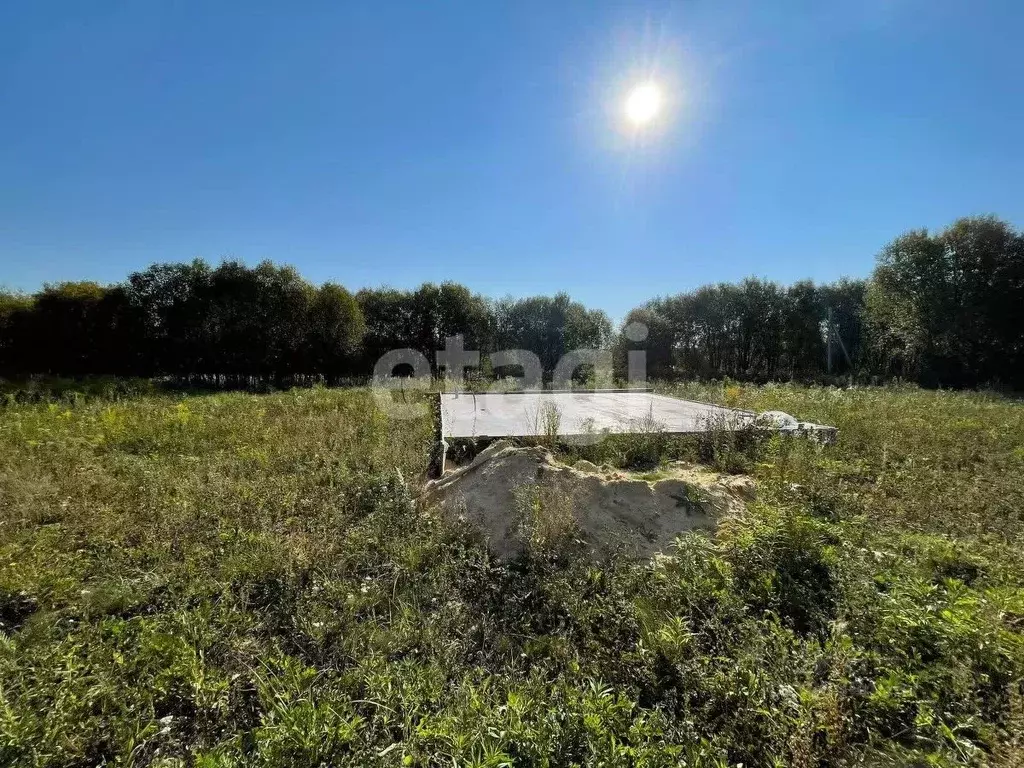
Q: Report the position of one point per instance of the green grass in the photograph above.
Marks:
(245, 580)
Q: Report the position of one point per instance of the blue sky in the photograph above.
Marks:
(483, 142)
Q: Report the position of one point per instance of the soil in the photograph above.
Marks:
(522, 497)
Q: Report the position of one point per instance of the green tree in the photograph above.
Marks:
(15, 316)
(69, 333)
(803, 337)
(335, 329)
(945, 308)
(549, 326)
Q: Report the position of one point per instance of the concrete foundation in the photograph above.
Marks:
(533, 414)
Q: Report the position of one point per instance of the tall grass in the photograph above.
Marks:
(246, 580)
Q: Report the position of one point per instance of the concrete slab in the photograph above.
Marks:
(521, 414)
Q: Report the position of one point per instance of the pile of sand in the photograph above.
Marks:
(522, 496)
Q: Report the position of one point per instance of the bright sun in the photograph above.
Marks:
(643, 104)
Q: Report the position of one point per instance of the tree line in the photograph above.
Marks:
(755, 330)
(939, 309)
(235, 325)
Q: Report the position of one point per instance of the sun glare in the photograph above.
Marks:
(643, 104)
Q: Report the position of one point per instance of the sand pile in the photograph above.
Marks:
(520, 497)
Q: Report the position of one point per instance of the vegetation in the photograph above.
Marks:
(939, 310)
(239, 327)
(237, 579)
(754, 330)
(948, 306)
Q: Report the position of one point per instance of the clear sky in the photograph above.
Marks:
(484, 141)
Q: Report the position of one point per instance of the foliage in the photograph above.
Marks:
(549, 327)
(945, 308)
(938, 310)
(422, 320)
(245, 327)
(246, 580)
(756, 330)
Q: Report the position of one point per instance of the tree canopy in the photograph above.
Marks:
(940, 309)
(947, 308)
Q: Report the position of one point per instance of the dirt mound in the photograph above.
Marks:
(521, 496)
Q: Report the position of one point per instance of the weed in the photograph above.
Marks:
(548, 515)
(546, 422)
(238, 579)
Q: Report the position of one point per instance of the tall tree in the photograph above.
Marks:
(803, 333)
(335, 327)
(70, 331)
(549, 326)
(945, 309)
(15, 317)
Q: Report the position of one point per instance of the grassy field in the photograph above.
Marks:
(245, 580)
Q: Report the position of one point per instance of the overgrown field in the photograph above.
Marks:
(245, 580)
